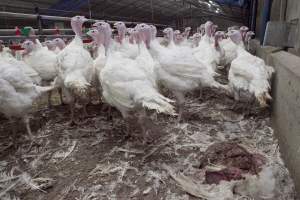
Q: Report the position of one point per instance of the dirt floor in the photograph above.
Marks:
(95, 160)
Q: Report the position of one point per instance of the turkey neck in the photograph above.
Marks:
(217, 45)
(121, 34)
(153, 34)
(77, 28)
(131, 39)
(186, 34)
(208, 31)
(146, 37)
(98, 39)
(61, 46)
(107, 39)
(156, 49)
(171, 38)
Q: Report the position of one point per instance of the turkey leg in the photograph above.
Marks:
(27, 124)
(85, 113)
(142, 120)
(72, 110)
(61, 96)
(180, 101)
(49, 99)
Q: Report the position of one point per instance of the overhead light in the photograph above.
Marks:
(210, 1)
(208, 4)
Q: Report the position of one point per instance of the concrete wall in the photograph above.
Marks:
(286, 110)
(286, 104)
(292, 15)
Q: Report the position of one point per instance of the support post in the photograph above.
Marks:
(265, 18)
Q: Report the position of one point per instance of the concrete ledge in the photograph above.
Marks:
(286, 110)
(263, 52)
(286, 104)
(294, 51)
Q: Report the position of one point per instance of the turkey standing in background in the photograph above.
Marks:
(17, 93)
(179, 70)
(43, 61)
(29, 71)
(248, 75)
(59, 43)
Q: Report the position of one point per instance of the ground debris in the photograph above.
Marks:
(96, 161)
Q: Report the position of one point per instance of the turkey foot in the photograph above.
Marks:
(32, 138)
(85, 113)
(180, 101)
(72, 121)
(180, 114)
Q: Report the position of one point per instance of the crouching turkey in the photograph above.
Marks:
(249, 76)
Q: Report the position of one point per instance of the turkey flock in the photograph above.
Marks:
(128, 71)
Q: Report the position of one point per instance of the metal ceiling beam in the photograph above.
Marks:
(56, 18)
(47, 31)
(36, 36)
(220, 15)
(157, 7)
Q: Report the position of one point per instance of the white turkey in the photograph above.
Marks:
(248, 37)
(214, 29)
(196, 38)
(206, 51)
(177, 37)
(17, 93)
(129, 31)
(51, 46)
(76, 69)
(59, 43)
(185, 41)
(248, 75)
(100, 60)
(201, 29)
(179, 71)
(144, 34)
(127, 86)
(43, 61)
(186, 33)
(244, 30)
(6, 56)
(124, 46)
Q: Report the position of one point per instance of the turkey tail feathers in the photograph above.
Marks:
(161, 104)
(150, 98)
(44, 89)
